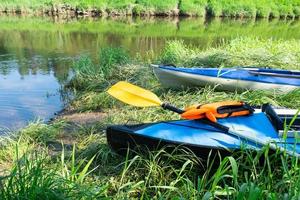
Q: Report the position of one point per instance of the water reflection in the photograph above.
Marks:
(27, 94)
(30, 86)
(36, 53)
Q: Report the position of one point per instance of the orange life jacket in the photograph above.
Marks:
(223, 109)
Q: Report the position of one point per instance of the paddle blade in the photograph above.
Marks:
(133, 95)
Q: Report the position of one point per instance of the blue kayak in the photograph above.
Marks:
(200, 137)
(229, 78)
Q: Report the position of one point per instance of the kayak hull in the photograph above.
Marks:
(178, 79)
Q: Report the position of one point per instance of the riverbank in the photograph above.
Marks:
(69, 159)
(202, 8)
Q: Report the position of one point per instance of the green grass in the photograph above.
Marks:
(89, 76)
(30, 178)
(26, 5)
(237, 52)
(41, 132)
(92, 171)
(224, 8)
(258, 8)
(35, 175)
(193, 7)
(156, 6)
(236, 8)
(110, 6)
(31, 169)
(99, 4)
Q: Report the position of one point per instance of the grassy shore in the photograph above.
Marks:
(63, 160)
(217, 8)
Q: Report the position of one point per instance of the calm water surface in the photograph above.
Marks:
(36, 53)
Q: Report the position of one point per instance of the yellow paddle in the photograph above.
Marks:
(136, 96)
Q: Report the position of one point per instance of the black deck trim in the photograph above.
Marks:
(120, 138)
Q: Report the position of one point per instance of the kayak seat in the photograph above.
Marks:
(279, 122)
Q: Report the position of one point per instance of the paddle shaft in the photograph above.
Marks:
(167, 106)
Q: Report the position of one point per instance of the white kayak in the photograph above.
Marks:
(231, 79)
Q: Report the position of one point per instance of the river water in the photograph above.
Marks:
(36, 54)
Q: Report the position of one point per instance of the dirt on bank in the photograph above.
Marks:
(76, 122)
(78, 118)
